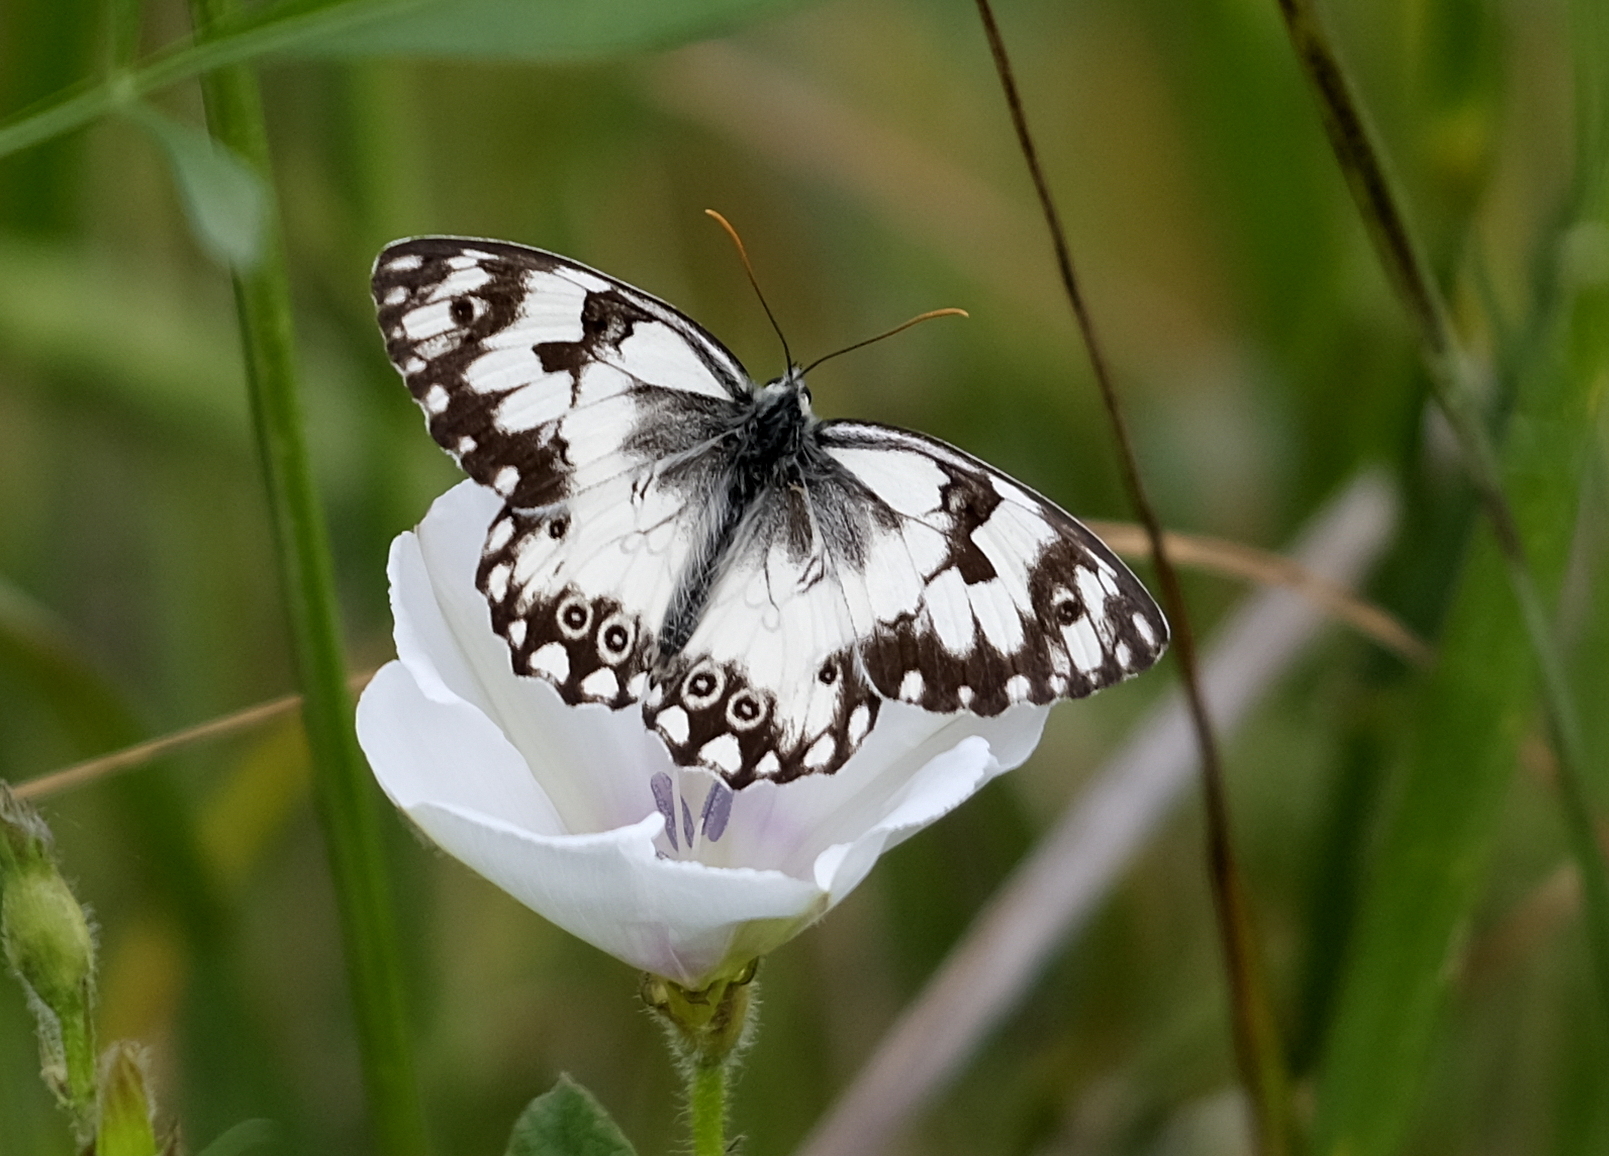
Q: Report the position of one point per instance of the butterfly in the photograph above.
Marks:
(680, 539)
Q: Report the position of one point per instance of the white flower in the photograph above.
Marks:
(579, 813)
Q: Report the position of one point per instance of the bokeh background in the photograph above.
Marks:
(863, 150)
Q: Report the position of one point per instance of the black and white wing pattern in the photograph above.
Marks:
(591, 407)
(985, 594)
(894, 566)
(757, 581)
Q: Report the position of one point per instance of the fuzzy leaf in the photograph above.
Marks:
(567, 1121)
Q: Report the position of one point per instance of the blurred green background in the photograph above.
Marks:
(864, 152)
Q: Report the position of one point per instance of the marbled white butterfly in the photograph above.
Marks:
(678, 538)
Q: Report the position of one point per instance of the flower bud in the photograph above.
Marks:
(125, 1107)
(50, 948)
(47, 939)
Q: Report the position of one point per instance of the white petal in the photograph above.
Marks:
(592, 762)
(787, 826)
(685, 921)
(449, 768)
(553, 803)
(425, 749)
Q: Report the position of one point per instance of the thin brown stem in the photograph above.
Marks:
(1257, 1045)
(1236, 559)
(1219, 556)
(126, 759)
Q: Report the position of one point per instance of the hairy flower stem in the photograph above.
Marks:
(708, 1031)
(1257, 1044)
(706, 1108)
(342, 787)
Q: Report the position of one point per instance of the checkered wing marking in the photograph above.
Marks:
(893, 567)
(983, 593)
(596, 411)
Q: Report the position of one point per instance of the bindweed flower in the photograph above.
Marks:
(578, 811)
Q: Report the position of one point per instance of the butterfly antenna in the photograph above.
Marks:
(917, 320)
(749, 269)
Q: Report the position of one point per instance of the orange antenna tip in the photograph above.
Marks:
(743, 255)
(917, 320)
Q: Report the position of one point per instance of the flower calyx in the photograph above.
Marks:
(708, 1027)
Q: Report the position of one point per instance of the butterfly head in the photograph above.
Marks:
(786, 393)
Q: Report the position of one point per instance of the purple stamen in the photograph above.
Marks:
(717, 810)
(687, 823)
(665, 800)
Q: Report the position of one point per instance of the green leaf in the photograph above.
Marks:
(521, 29)
(567, 1121)
(223, 199)
(484, 29)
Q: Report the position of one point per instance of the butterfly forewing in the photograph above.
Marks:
(501, 344)
(596, 411)
(985, 593)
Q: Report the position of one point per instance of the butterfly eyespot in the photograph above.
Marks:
(1067, 612)
(614, 638)
(703, 686)
(744, 711)
(828, 674)
(462, 310)
(558, 527)
(574, 617)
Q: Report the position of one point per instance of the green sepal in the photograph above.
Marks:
(125, 1127)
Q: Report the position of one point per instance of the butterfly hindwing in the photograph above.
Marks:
(769, 685)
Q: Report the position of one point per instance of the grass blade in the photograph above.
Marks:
(1447, 808)
(342, 786)
(1451, 382)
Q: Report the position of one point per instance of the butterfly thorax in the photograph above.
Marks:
(772, 448)
(773, 437)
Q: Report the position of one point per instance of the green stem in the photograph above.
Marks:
(342, 787)
(78, 1052)
(1451, 384)
(706, 1107)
